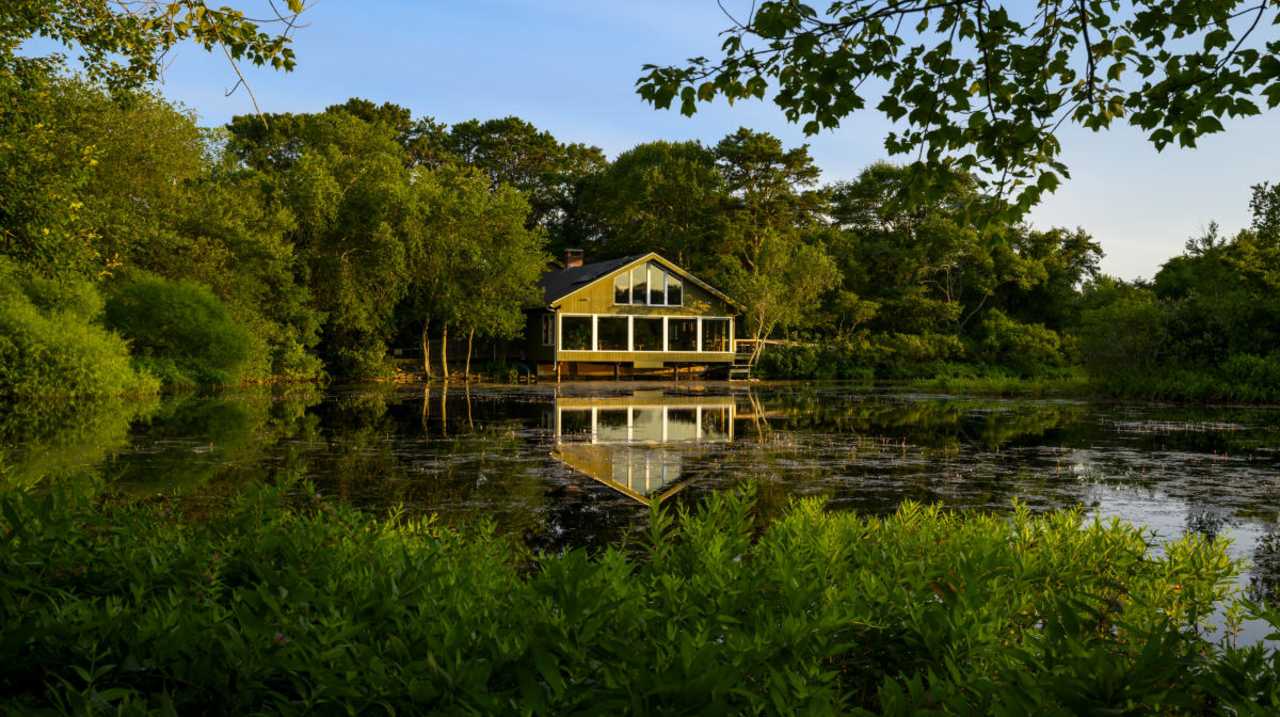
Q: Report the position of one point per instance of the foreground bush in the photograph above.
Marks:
(179, 331)
(55, 361)
(322, 610)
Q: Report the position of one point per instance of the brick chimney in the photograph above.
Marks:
(572, 258)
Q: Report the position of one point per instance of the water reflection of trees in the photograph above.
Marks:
(926, 423)
(216, 443)
(429, 449)
(72, 451)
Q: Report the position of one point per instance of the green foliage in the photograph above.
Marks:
(1207, 327)
(983, 87)
(179, 331)
(512, 152)
(42, 176)
(1026, 348)
(265, 608)
(125, 44)
(55, 361)
(472, 263)
(667, 197)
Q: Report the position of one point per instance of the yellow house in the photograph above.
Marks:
(628, 315)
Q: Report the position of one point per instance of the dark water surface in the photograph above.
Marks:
(570, 466)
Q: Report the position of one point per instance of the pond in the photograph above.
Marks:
(574, 464)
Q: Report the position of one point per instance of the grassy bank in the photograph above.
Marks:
(319, 609)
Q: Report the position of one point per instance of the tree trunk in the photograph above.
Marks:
(466, 371)
(426, 350)
(444, 351)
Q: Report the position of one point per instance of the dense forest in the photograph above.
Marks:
(142, 250)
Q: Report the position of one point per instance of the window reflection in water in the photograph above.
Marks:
(639, 444)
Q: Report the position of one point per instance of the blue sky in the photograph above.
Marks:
(569, 67)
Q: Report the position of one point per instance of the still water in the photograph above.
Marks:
(574, 465)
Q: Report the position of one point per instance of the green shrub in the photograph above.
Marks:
(322, 610)
(54, 360)
(1259, 375)
(179, 331)
(1029, 349)
(1122, 337)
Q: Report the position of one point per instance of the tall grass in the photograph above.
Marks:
(287, 605)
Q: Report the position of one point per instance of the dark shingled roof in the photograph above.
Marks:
(557, 284)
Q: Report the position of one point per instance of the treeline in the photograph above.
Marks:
(141, 248)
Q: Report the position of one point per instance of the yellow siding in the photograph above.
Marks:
(597, 298)
(652, 358)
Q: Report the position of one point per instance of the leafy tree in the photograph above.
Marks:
(667, 197)
(473, 265)
(43, 177)
(982, 87)
(124, 43)
(512, 151)
(771, 257)
(771, 189)
(348, 193)
(1056, 263)
(236, 240)
(779, 289)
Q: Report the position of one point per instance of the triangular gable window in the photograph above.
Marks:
(649, 284)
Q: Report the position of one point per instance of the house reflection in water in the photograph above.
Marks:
(638, 444)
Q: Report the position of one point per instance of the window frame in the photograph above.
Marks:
(662, 334)
(631, 333)
(591, 340)
(549, 330)
(627, 276)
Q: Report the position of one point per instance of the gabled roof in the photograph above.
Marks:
(556, 285)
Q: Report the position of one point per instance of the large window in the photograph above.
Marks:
(657, 285)
(682, 334)
(575, 333)
(647, 334)
(649, 284)
(613, 333)
(622, 288)
(675, 291)
(715, 334)
(642, 333)
(639, 285)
